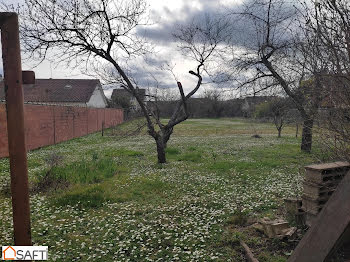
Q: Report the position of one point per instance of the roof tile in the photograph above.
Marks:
(58, 90)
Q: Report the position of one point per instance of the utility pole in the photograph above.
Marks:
(11, 56)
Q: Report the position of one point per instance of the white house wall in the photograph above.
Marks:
(97, 99)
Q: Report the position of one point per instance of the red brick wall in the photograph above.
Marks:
(39, 127)
(80, 122)
(48, 125)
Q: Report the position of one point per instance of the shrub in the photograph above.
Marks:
(53, 160)
(81, 172)
(49, 181)
(86, 172)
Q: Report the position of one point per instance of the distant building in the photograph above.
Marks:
(64, 92)
(124, 99)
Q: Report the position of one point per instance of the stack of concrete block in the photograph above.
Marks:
(320, 182)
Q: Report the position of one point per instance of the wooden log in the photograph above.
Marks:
(249, 255)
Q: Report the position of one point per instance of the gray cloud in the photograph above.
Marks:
(162, 33)
(245, 31)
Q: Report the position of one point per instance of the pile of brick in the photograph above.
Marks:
(320, 182)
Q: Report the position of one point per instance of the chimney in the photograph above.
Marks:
(28, 77)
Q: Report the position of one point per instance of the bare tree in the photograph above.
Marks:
(96, 33)
(275, 110)
(329, 22)
(272, 57)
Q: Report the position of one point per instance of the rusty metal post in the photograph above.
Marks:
(11, 56)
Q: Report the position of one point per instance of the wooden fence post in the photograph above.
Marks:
(11, 56)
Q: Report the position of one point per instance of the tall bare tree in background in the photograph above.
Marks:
(329, 22)
(96, 33)
(273, 57)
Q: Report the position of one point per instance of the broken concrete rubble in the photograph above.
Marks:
(275, 228)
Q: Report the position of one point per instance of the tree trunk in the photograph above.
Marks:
(278, 121)
(297, 131)
(161, 150)
(306, 139)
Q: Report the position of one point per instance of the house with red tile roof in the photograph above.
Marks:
(64, 92)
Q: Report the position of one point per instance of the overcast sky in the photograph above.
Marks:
(165, 14)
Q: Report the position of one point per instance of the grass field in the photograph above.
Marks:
(114, 203)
